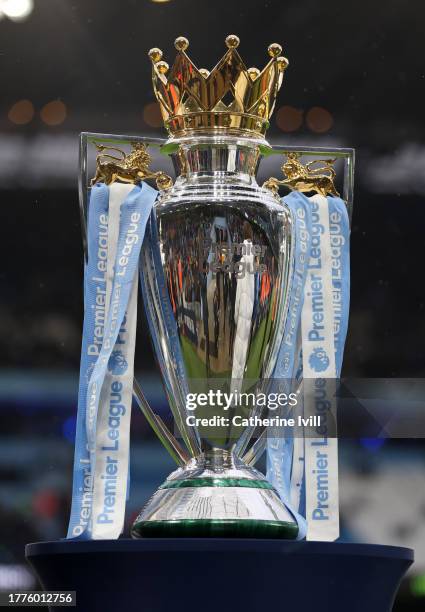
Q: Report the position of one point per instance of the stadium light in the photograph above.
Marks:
(16, 10)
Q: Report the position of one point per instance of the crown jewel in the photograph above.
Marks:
(231, 98)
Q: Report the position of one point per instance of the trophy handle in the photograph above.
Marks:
(170, 443)
(305, 177)
(130, 167)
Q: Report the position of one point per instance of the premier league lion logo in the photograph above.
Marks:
(318, 360)
(117, 363)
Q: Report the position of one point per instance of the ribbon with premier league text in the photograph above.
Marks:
(280, 448)
(305, 470)
(324, 328)
(117, 219)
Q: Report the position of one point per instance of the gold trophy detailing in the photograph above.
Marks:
(128, 167)
(305, 178)
(229, 99)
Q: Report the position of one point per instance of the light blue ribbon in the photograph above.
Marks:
(82, 481)
(93, 367)
(338, 209)
(280, 448)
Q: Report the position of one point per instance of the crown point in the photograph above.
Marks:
(282, 62)
(162, 67)
(253, 73)
(274, 49)
(155, 54)
(232, 41)
(181, 43)
(205, 73)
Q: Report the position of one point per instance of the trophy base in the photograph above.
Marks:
(218, 497)
(215, 528)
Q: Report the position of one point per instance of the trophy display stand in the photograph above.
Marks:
(159, 575)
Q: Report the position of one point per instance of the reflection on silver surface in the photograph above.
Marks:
(215, 502)
(215, 284)
(224, 245)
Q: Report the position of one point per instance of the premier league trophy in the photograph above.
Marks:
(215, 277)
(216, 229)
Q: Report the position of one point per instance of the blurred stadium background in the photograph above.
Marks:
(356, 78)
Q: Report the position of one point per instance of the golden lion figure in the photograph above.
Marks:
(306, 178)
(127, 168)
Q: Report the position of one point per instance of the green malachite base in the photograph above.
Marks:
(216, 482)
(215, 528)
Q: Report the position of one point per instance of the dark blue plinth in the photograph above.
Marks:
(215, 575)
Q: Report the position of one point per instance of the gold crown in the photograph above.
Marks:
(231, 98)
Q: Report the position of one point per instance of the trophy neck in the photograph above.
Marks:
(222, 157)
(214, 460)
(218, 459)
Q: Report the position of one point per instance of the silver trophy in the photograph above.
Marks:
(216, 276)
